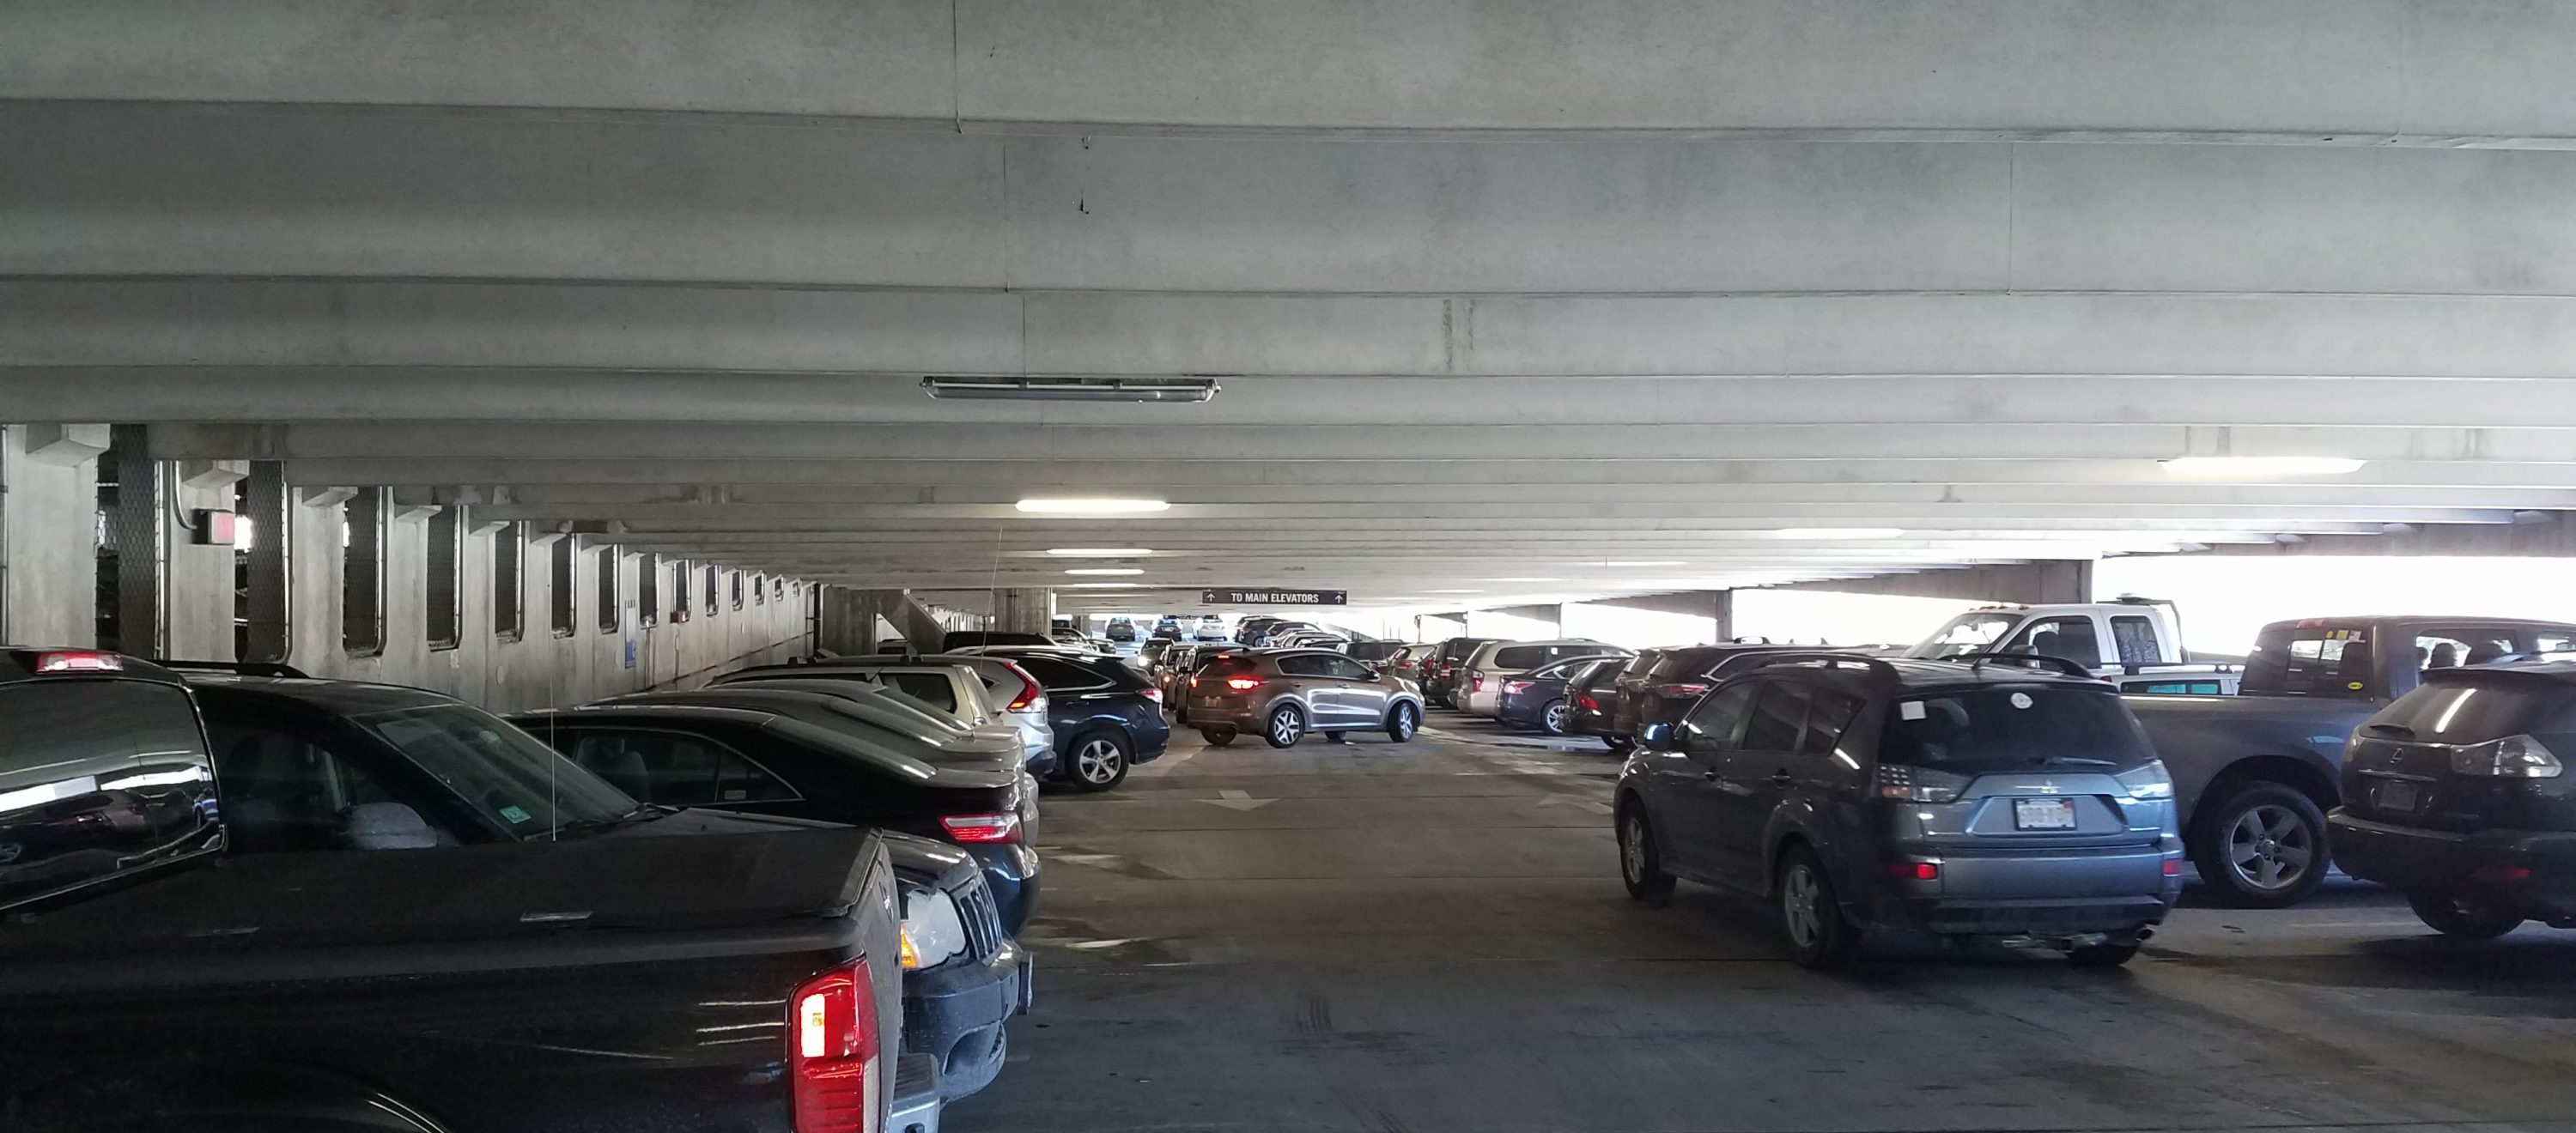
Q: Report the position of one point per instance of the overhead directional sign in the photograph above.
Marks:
(1274, 597)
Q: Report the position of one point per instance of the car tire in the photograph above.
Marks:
(1551, 717)
(1811, 916)
(1641, 866)
(1402, 722)
(2462, 917)
(1335, 737)
(2262, 846)
(1285, 726)
(1217, 737)
(2102, 955)
(1097, 760)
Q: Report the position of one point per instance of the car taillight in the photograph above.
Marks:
(1914, 871)
(833, 1052)
(1243, 684)
(1194, 680)
(1154, 694)
(1475, 682)
(1683, 690)
(1514, 688)
(1586, 703)
(79, 661)
(981, 828)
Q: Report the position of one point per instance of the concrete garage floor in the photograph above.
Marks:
(1432, 937)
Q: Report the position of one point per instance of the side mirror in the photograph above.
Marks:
(1657, 736)
(386, 826)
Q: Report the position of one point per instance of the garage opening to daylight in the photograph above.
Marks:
(1638, 566)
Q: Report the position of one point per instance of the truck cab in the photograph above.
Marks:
(2134, 642)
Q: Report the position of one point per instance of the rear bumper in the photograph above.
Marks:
(916, 1095)
(2050, 892)
(2415, 860)
(1517, 709)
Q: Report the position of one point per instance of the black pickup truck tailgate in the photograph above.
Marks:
(611, 983)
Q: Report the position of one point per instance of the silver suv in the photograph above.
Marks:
(1284, 694)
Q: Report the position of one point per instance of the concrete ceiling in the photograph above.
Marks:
(1503, 294)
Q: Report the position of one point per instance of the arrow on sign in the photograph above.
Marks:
(1237, 800)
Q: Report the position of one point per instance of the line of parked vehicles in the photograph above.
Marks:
(2040, 774)
(787, 900)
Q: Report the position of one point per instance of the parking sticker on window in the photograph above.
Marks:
(1909, 710)
(514, 814)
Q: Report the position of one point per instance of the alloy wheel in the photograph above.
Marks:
(1799, 897)
(2269, 847)
(1632, 849)
(1284, 728)
(1554, 720)
(1098, 761)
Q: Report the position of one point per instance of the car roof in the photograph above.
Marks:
(2463, 619)
(2556, 672)
(347, 698)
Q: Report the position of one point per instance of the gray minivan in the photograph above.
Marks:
(2011, 798)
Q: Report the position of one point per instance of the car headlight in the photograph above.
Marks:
(2148, 780)
(933, 933)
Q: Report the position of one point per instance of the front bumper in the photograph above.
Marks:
(955, 1013)
(1011, 874)
(2535, 869)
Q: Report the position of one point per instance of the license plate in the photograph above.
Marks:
(2043, 814)
(2395, 796)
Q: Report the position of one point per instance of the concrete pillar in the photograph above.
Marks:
(1024, 610)
(48, 564)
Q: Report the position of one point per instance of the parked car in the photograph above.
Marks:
(1480, 683)
(1373, 652)
(1440, 673)
(983, 691)
(1963, 800)
(929, 734)
(1107, 717)
(963, 975)
(2128, 635)
(1282, 695)
(1066, 636)
(1409, 661)
(2456, 795)
(1542, 698)
(1120, 629)
(1590, 696)
(1657, 685)
(1150, 653)
(168, 945)
(1168, 628)
(1249, 630)
(2255, 773)
(1210, 628)
(793, 754)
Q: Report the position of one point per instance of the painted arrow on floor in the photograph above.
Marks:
(1237, 800)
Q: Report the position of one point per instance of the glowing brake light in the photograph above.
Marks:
(79, 661)
(1243, 684)
(1154, 694)
(834, 1053)
(982, 828)
(1586, 703)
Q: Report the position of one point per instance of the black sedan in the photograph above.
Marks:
(791, 754)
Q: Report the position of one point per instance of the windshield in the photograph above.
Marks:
(515, 784)
(1967, 633)
(2004, 728)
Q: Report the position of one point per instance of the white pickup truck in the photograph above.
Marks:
(2133, 642)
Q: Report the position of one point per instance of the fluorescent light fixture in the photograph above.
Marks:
(1454, 592)
(2258, 467)
(1179, 390)
(1108, 570)
(1089, 505)
(1642, 562)
(1839, 532)
(1525, 579)
(1107, 585)
(1098, 552)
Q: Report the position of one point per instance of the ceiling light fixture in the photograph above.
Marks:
(1455, 592)
(1089, 505)
(1525, 579)
(2258, 467)
(1099, 552)
(1106, 585)
(1108, 570)
(1838, 532)
(1176, 390)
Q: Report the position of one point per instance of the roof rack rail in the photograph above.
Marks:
(1830, 658)
(245, 668)
(2027, 660)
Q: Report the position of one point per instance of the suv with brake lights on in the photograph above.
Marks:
(2009, 798)
(1284, 694)
(2456, 795)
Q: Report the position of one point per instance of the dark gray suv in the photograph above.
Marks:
(1987, 797)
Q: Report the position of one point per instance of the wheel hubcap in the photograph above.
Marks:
(1798, 906)
(1283, 727)
(1632, 850)
(1556, 718)
(2268, 847)
(1097, 761)
(1403, 723)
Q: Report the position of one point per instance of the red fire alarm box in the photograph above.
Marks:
(214, 528)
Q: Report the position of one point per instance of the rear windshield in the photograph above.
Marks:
(1457, 648)
(2313, 660)
(2461, 712)
(1682, 663)
(2003, 728)
(1224, 663)
(1644, 663)
(1520, 657)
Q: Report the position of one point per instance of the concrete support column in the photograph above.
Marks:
(1024, 610)
(48, 564)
